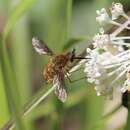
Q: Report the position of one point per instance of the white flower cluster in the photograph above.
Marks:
(116, 10)
(108, 66)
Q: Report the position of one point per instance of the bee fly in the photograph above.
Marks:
(55, 70)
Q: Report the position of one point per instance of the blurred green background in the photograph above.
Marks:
(48, 20)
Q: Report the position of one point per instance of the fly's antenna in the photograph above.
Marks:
(72, 55)
(80, 58)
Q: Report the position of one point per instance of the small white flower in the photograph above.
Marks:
(104, 41)
(101, 40)
(92, 66)
(116, 10)
(96, 72)
(102, 17)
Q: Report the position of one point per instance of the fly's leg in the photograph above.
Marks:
(45, 82)
(68, 77)
(79, 79)
(72, 81)
(67, 69)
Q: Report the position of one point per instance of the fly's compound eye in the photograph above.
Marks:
(72, 55)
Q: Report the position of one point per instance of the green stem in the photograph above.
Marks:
(127, 127)
(107, 116)
(102, 122)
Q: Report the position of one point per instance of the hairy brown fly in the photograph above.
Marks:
(55, 70)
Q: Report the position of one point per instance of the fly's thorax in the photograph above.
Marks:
(60, 61)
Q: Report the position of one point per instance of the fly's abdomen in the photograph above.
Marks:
(49, 73)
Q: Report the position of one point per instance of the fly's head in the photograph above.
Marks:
(71, 55)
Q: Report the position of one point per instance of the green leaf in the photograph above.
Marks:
(9, 77)
(10, 86)
(18, 11)
(72, 41)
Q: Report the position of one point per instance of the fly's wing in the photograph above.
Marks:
(40, 47)
(60, 90)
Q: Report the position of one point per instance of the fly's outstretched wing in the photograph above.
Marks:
(60, 90)
(40, 47)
